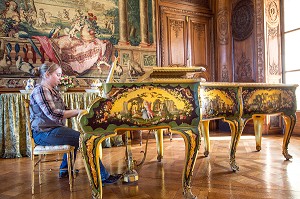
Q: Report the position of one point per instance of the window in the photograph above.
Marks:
(291, 44)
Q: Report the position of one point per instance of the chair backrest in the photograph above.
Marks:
(28, 124)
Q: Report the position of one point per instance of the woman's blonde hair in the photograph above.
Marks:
(46, 68)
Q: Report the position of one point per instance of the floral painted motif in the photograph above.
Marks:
(66, 81)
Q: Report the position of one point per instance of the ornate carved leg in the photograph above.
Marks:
(236, 131)
(290, 121)
(258, 121)
(159, 144)
(205, 134)
(192, 143)
(90, 150)
(131, 175)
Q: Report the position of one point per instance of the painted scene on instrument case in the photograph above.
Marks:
(145, 106)
(269, 100)
(220, 102)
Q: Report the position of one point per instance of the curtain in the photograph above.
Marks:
(14, 140)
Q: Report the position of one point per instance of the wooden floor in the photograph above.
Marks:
(264, 174)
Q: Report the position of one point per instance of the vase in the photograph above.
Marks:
(62, 89)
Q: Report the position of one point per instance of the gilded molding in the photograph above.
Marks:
(90, 148)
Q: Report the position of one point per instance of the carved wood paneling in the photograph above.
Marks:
(176, 41)
(273, 54)
(273, 42)
(243, 32)
(176, 26)
(223, 41)
(244, 69)
(223, 26)
(185, 36)
(201, 3)
(199, 35)
(242, 20)
(260, 41)
(173, 39)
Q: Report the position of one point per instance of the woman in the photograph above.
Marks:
(48, 115)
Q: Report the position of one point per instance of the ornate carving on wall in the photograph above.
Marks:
(200, 29)
(162, 37)
(273, 69)
(273, 43)
(222, 27)
(177, 26)
(272, 12)
(242, 20)
(225, 75)
(202, 3)
(244, 69)
(260, 42)
(181, 11)
(272, 32)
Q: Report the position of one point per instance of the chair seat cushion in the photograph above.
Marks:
(39, 148)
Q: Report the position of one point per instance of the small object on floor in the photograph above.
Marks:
(64, 173)
(112, 179)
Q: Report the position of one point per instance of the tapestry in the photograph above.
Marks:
(83, 36)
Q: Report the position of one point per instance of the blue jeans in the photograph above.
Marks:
(60, 136)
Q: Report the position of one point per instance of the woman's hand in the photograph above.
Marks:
(79, 111)
(72, 113)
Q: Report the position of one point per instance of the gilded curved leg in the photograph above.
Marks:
(205, 134)
(192, 144)
(290, 121)
(236, 131)
(159, 144)
(91, 154)
(258, 121)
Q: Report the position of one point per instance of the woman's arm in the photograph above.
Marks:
(44, 99)
(71, 113)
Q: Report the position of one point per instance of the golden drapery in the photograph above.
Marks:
(14, 140)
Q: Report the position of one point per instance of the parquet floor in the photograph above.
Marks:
(264, 174)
